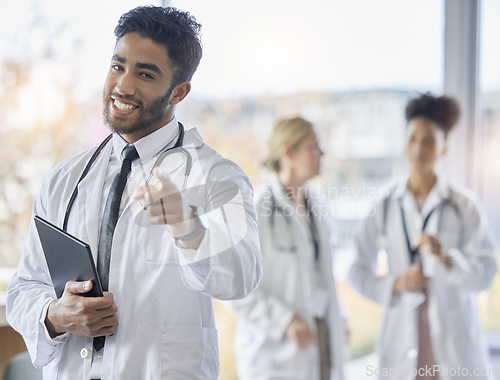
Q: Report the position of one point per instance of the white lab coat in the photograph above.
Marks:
(163, 293)
(456, 336)
(263, 349)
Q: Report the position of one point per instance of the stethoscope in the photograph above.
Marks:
(161, 157)
(413, 251)
(290, 236)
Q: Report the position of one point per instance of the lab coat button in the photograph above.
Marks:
(412, 353)
(85, 353)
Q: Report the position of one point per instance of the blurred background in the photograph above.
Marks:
(348, 66)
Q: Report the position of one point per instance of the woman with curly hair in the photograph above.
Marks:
(439, 256)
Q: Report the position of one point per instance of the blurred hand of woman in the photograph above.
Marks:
(430, 244)
(299, 331)
(412, 280)
(434, 246)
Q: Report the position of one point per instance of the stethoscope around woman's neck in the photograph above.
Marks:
(163, 154)
(414, 251)
(277, 209)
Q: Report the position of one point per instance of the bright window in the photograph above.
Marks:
(348, 66)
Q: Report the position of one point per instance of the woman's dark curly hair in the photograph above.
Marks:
(442, 110)
(176, 30)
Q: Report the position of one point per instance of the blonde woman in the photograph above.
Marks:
(290, 327)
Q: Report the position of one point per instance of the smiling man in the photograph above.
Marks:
(139, 86)
(162, 250)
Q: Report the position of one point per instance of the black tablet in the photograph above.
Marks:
(68, 258)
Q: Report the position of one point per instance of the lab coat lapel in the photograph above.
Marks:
(301, 228)
(440, 193)
(412, 218)
(395, 231)
(321, 222)
(89, 200)
(288, 206)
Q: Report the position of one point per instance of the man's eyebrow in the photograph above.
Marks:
(149, 66)
(139, 65)
(118, 58)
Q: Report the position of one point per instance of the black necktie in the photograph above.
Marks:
(108, 224)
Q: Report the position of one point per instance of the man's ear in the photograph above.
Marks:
(180, 92)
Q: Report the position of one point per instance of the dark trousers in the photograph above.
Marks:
(324, 348)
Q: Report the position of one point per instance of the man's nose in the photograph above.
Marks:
(125, 85)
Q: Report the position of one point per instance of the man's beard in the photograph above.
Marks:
(149, 114)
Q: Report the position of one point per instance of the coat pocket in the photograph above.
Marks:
(160, 248)
(189, 353)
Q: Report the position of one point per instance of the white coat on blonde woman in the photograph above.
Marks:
(264, 351)
(457, 341)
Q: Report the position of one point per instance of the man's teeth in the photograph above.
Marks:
(124, 106)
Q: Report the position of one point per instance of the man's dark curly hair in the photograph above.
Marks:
(178, 31)
(443, 110)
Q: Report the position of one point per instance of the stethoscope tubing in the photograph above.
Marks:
(413, 251)
(158, 161)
